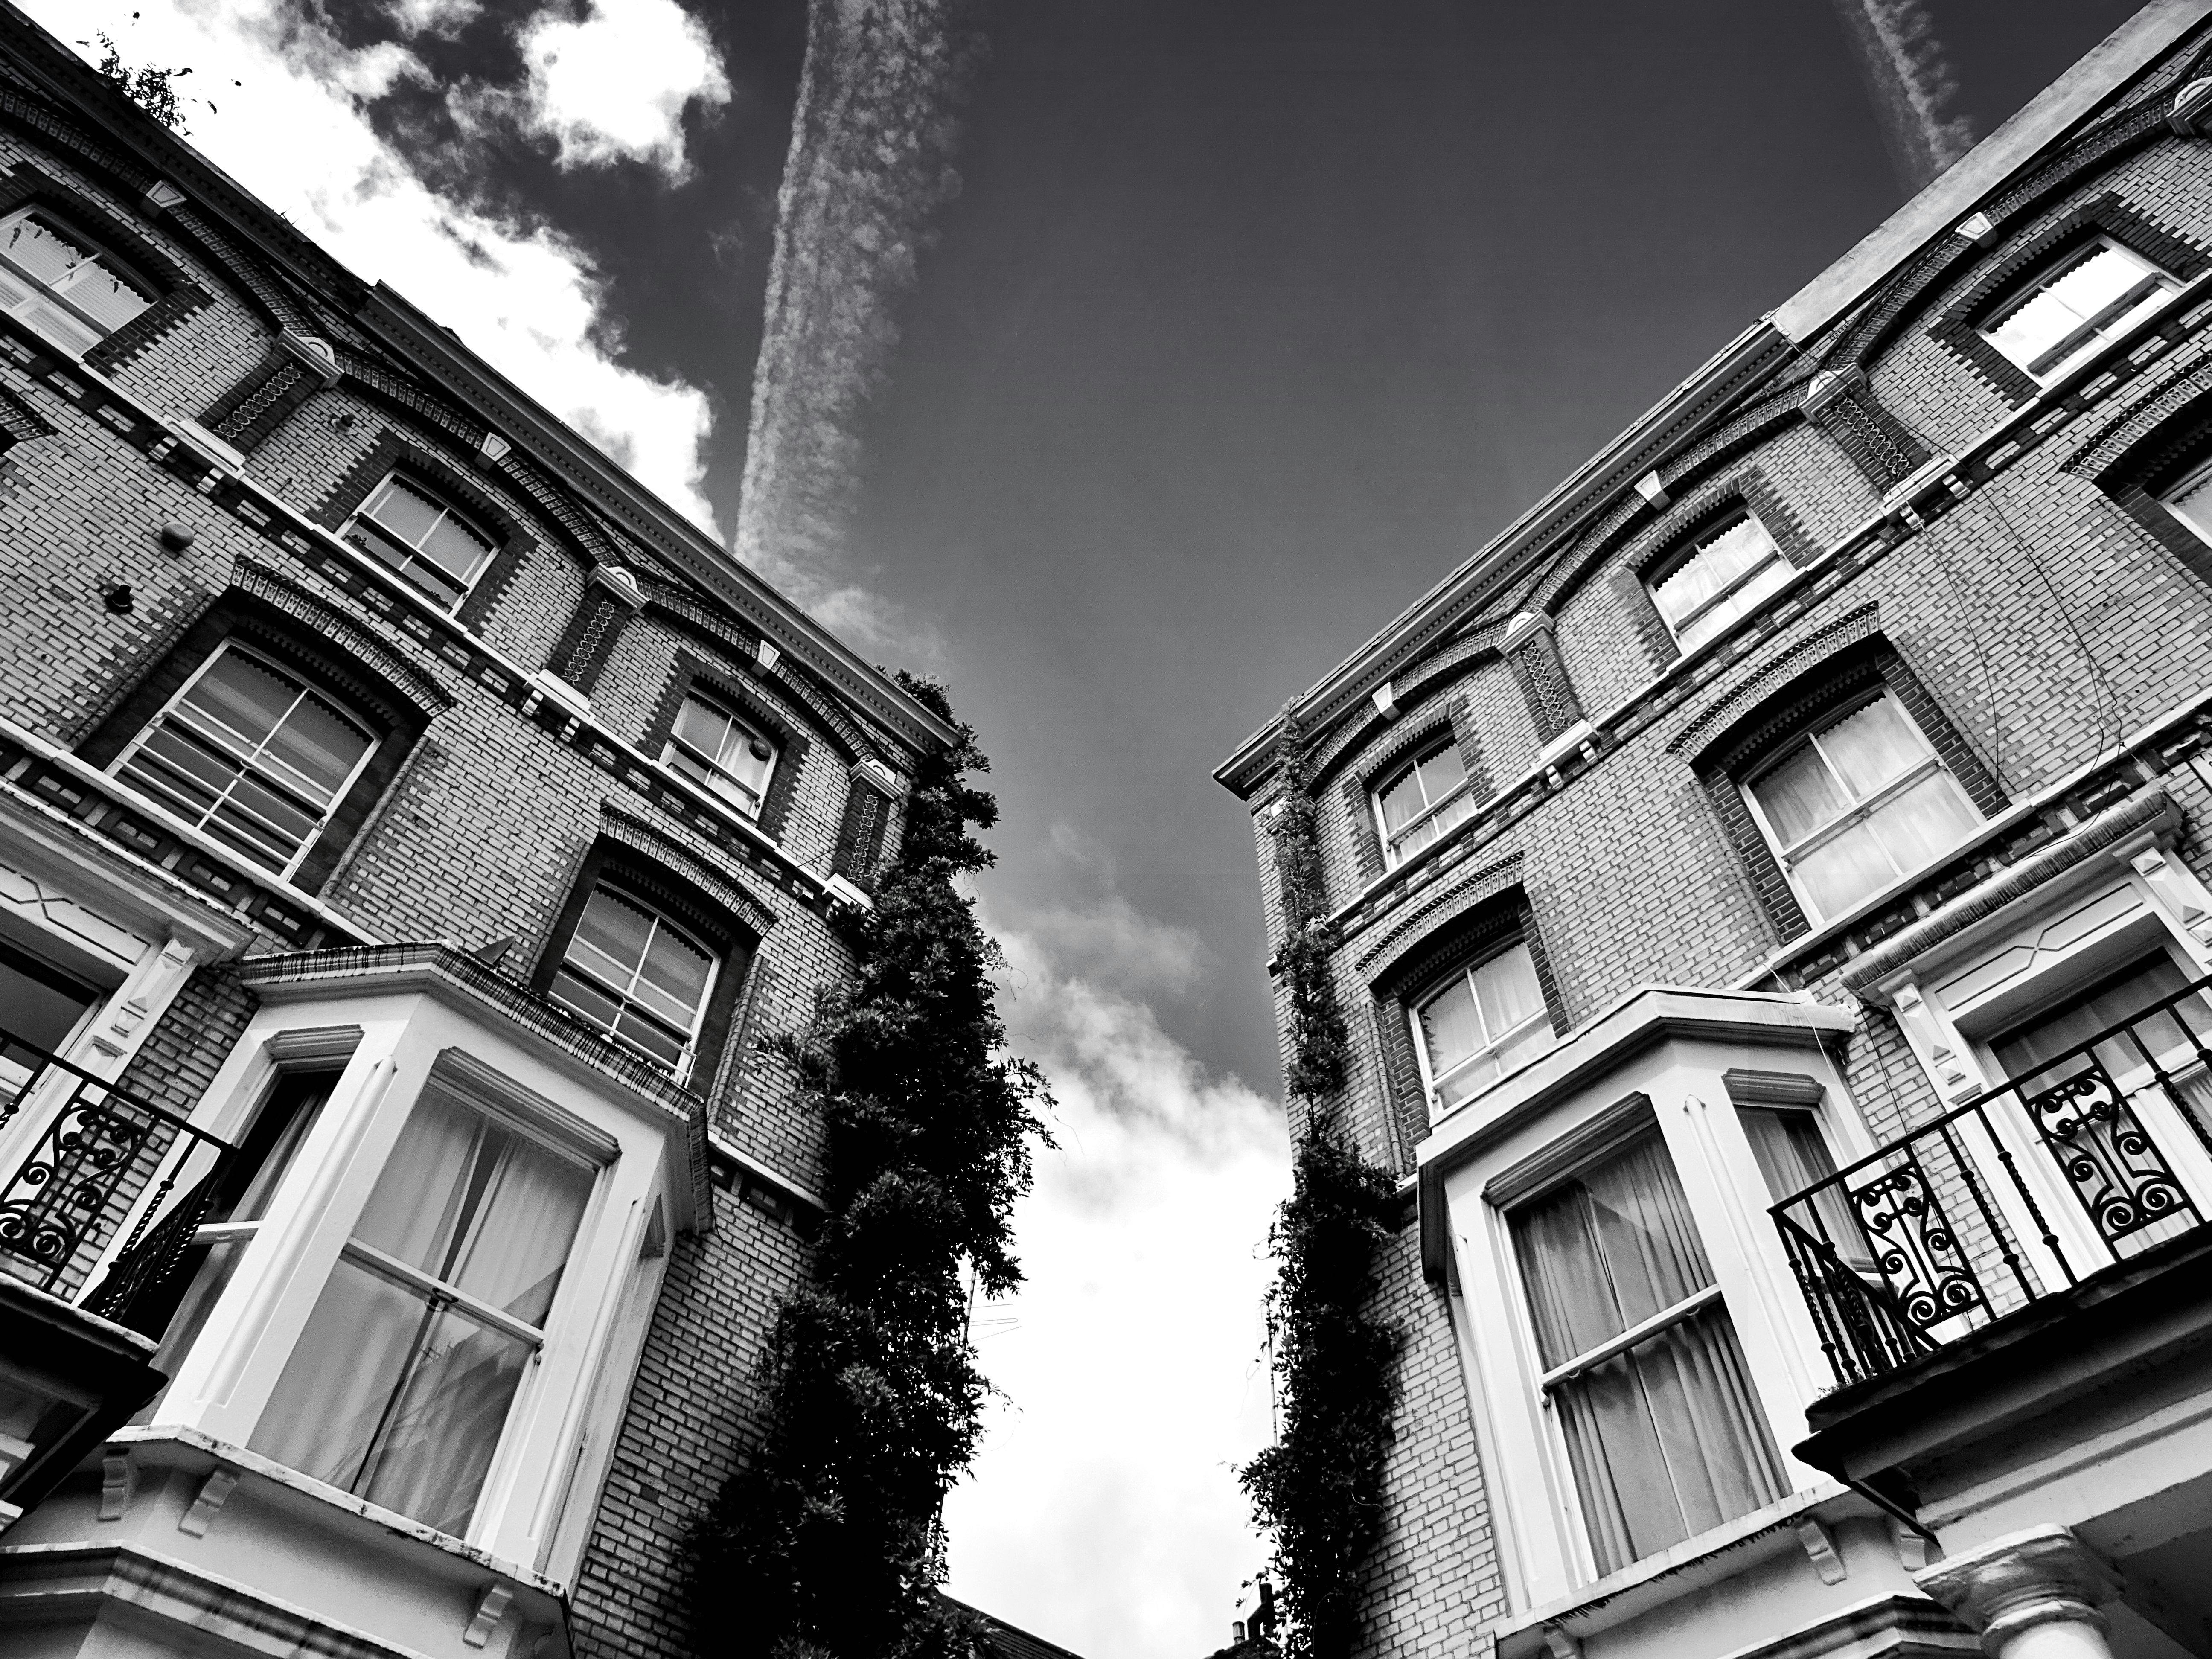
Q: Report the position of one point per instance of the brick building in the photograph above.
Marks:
(414, 838)
(1766, 895)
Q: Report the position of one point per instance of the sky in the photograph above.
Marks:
(1184, 345)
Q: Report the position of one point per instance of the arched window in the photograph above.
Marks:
(716, 748)
(1862, 801)
(53, 278)
(1480, 1023)
(637, 976)
(432, 547)
(1421, 800)
(1722, 576)
(250, 753)
(2074, 304)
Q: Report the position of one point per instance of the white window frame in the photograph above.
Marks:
(119, 270)
(561, 1424)
(376, 741)
(1430, 1081)
(1681, 560)
(2083, 341)
(1679, 1090)
(1785, 857)
(2198, 476)
(719, 959)
(407, 481)
(1391, 857)
(720, 782)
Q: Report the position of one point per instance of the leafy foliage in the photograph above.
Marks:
(826, 1545)
(152, 89)
(1319, 1489)
(1319, 1047)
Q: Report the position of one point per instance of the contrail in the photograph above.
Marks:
(872, 139)
(1912, 83)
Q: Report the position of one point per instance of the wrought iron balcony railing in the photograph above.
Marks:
(2102, 1151)
(81, 1161)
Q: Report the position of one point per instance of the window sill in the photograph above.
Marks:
(1686, 1568)
(159, 1445)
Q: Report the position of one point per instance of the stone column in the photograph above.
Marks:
(2031, 1594)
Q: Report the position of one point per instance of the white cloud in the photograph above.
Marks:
(614, 86)
(442, 17)
(1103, 1512)
(522, 296)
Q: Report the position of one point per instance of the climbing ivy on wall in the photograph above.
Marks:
(1318, 1491)
(826, 1544)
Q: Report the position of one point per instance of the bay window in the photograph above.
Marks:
(2088, 297)
(250, 754)
(1480, 1023)
(637, 976)
(1421, 802)
(53, 278)
(1861, 802)
(1722, 577)
(399, 1386)
(1641, 1378)
(432, 548)
(715, 749)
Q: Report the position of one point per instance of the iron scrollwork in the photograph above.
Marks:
(2113, 1168)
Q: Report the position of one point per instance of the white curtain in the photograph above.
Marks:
(389, 1393)
(1666, 1439)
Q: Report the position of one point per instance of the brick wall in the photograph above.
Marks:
(2044, 622)
(479, 835)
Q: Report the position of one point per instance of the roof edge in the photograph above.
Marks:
(2021, 141)
(69, 79)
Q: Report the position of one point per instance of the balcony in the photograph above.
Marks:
(100, 1190)
(2027, 1193)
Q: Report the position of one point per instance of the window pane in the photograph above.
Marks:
(1506, 987)
(407, 514)
(38, 1005)
(703, 728)
(243, 697)
(1453, 813)
(1401, 802)
(349, 1360)
(1451, 1027)
(1799, 796)
(678, 969)
(455, 550)
(617, 929)
(1440, 774)
(1791, 1157)
(1722, 559)
(43, 250)
(2022, 1050)
(1925, 822)
(104, 296)
(2100, 282)
(1871, 746)
(1607, 1250)
(1668, 1440)
(1843, 870)
(2056, 321)
(635, 1025)
(473, 1204)
(430, 1462)
(316, 748)
(602, 1007)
